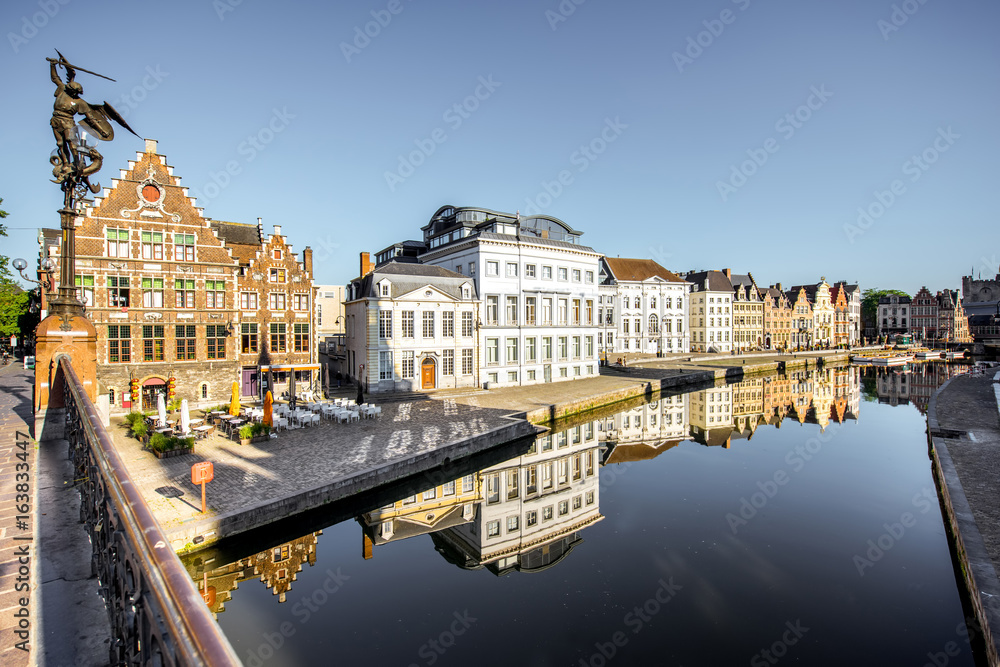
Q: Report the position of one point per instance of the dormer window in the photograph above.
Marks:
(383, 289)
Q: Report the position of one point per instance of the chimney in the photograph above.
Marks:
(260, 228)
(777, 286)
(728, 272)
(277, 230)
(307, 260)
(151, 146)
(366, 264)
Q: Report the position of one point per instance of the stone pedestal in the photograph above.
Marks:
(56, 336)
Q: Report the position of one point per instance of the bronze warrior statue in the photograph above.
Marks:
(74, 161)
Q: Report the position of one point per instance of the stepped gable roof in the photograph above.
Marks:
(243, 239)
(717, 281)
(405, 277)
(639, 269)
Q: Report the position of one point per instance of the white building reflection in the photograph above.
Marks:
(524, 514)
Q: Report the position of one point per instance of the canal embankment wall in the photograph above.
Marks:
(963, 432)
(689, 375)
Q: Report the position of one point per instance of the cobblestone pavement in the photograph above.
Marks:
(968, 404)
(296, 460)
(15, 415)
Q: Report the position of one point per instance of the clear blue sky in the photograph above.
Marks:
(676, 117)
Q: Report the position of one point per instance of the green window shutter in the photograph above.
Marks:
(147, 283)
(123, 235)
(157, 283)
(157, 237)
(147, 237)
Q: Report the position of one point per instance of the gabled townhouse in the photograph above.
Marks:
(710, 311)
(748, 313)
(276, 298)
(777, 313)
(802, 318)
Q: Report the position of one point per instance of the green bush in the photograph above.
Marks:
(139, 429)
(133, 417)
(260, 429)
(159, 442)
(246, 431)
(174, 405)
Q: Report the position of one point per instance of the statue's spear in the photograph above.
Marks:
(65, 63)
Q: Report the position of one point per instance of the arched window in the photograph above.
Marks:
(654, 324)
(204, 390)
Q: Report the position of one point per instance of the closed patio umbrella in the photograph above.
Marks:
(234, 404)
(161, 409)
(268, 407)
(291, 389)
(185, 417)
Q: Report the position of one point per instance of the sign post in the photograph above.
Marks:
(201, 473)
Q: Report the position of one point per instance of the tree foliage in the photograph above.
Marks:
(13, 300)
(869, 302)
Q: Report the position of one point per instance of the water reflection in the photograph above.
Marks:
(911, 384)
(602, 512)
(528, 513)
(276, 568)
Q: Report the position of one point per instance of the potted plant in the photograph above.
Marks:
(254, 433)
(260, 432)
(174, 405)
(137, 425)
(164, 446)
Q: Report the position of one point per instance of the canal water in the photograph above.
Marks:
(784, 519)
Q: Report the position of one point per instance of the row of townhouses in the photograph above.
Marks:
(186, 305)
(487, 298)
(926, 317)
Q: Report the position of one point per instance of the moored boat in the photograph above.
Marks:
(896, 360)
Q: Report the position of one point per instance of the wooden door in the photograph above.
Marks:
(427, 374)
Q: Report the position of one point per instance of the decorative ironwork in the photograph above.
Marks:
(157, 615)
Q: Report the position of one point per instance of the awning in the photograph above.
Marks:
(291, 367)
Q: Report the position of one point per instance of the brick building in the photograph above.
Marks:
(275, 298)
(162, 285)
(158, 284)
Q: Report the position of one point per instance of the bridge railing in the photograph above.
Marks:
(157, 615)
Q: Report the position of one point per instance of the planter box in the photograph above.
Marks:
(172, 452)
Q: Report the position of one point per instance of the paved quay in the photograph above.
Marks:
(305, 468)
(964, 433)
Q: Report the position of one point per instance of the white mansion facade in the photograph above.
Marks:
(537, 285)
(642, 307)
(411, 327)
